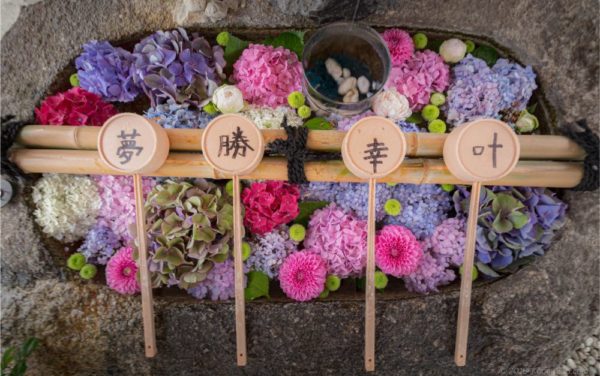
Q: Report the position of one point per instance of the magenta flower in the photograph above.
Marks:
(267, 75)
(269, 204)
(397, 251)
(121, 272)
(400, 44)
(302, 275)
(74, 107)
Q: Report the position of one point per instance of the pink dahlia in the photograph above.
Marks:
(418, 77)
(397, 251)
(340, 238)
(448, 241)
(400, 44)
(121, 272)
(267, 75)
(302, 275)
(269, 204)
(74, 107)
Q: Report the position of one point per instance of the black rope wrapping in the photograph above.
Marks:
(294, 149)
(581, 133)
(10, 131)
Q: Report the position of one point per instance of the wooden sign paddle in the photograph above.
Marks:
(135, 145)
(372, 148)
(233, 145)
(479, 151)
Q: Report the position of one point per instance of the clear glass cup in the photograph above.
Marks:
(359, 42)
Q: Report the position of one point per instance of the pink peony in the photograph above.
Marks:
(340, 238)
(302, 275)
(419, 77)
(269, 204)
(121, 272)
(267, 75)
(74, 107)
(400, 44)
(397, 251)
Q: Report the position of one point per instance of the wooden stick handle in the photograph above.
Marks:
(145, 284)
(412, 171)
(370, 283)
(466, 283)
(240, 314)
(418, 144)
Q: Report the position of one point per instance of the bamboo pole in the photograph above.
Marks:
(418, 144)
(412, 171)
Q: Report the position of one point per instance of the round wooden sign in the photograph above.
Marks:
(373, 147)
(481, 150)
(232, 144)
(131, 143)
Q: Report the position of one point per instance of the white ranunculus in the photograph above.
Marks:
(453, 50)
(392, 105)
(228, 99)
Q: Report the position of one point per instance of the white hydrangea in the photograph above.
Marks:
(269, 118)
(67, 205)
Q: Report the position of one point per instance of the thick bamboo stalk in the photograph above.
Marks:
(418, 144)
(412, 171)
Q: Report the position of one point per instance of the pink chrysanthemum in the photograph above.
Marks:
(340, 238)
(267, 75)
(121, 272)
(400, 44)
(448, 241)
(269, 204)
(74, 107)
(397, 251)
(418, 77)
(302, 275)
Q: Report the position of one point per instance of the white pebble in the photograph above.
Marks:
(589, 341)
(363, 84)
(347, 85)
(333, 68)
(593, 370)
(351, 96)
(345, 72)
(374, 85)
(571, 363)
(591, 361)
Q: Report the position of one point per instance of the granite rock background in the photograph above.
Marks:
(526, 323)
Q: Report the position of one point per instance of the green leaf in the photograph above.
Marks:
(175, 258)
(307, 208)
(318, 123)
(7, 358)
(234, 49)
(531, 109)
(502, 225)
(29, 346)
(504, 203)
(486, 53)
(415, 118)
(292, 40)
(485, 269)
(518, 219)
(258, 285)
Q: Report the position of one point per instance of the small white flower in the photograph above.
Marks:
(392, 105)
(228, 99)
(268, 118)
(453, 50)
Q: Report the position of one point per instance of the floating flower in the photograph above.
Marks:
(453, 50)
(66, 205)
(106, 70)
(345, 123)
(430, 273)
(121, 272)
(219, 283)
(519, 86)
(272, 118)
(397, 251)
(302, 275)
(99, 245)
(448, 241)
(400, 45)
(179, 115)
(269, 251)
(74, 107)
(266, 75)
(355, 197)
(269, 204)
(340, 238)
(391, 104)
(228, 99)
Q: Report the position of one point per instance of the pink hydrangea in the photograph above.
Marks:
(418, 77)
(448, 240)
(340, 238)
(121, 272)
(74, 107)
(397, 251)
(269, 204)
(302, 275)
(400, 44)
(431, 273)
(267, 75)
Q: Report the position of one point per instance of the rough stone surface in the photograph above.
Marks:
(527, 323)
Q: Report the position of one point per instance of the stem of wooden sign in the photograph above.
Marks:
(240, 315)
(464, 304)
(146, 286)
(370, 284)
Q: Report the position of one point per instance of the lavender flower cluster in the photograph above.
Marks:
(269, 251)
(219, 284)
(178, 115)
(100, 244)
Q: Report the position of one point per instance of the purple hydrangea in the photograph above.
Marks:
(219, 283)
(519, 84)
(448, 241)
(409, 127)
(173, 65)
(269, 251)
(178, 115)
(431, 273)
(424, 207)
(319, 191)
(106, 70)
(99, 245)
(344, 123)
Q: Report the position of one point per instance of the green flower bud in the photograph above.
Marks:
(246, 251)
(420, 41)
(470, 46)
(437, 99)
(229, 188)
(447, 187)
(474, 272)
(297, 232)
(88, 271)
(76, 261)
(391, 184)
(324, 294)
(527, 122)
(296, 99)
(381, 280)
(333, 282)
(74, 80)
(392, 207)
(304, 112)
(430, 112)
(437, 126)
(210, 108)
(223, 38)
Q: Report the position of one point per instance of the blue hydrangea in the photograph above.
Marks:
(518, 86)
(408, 127)
(423, 208)
(269, 251)
(175, 115)
(318, 191)
(99, 245)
